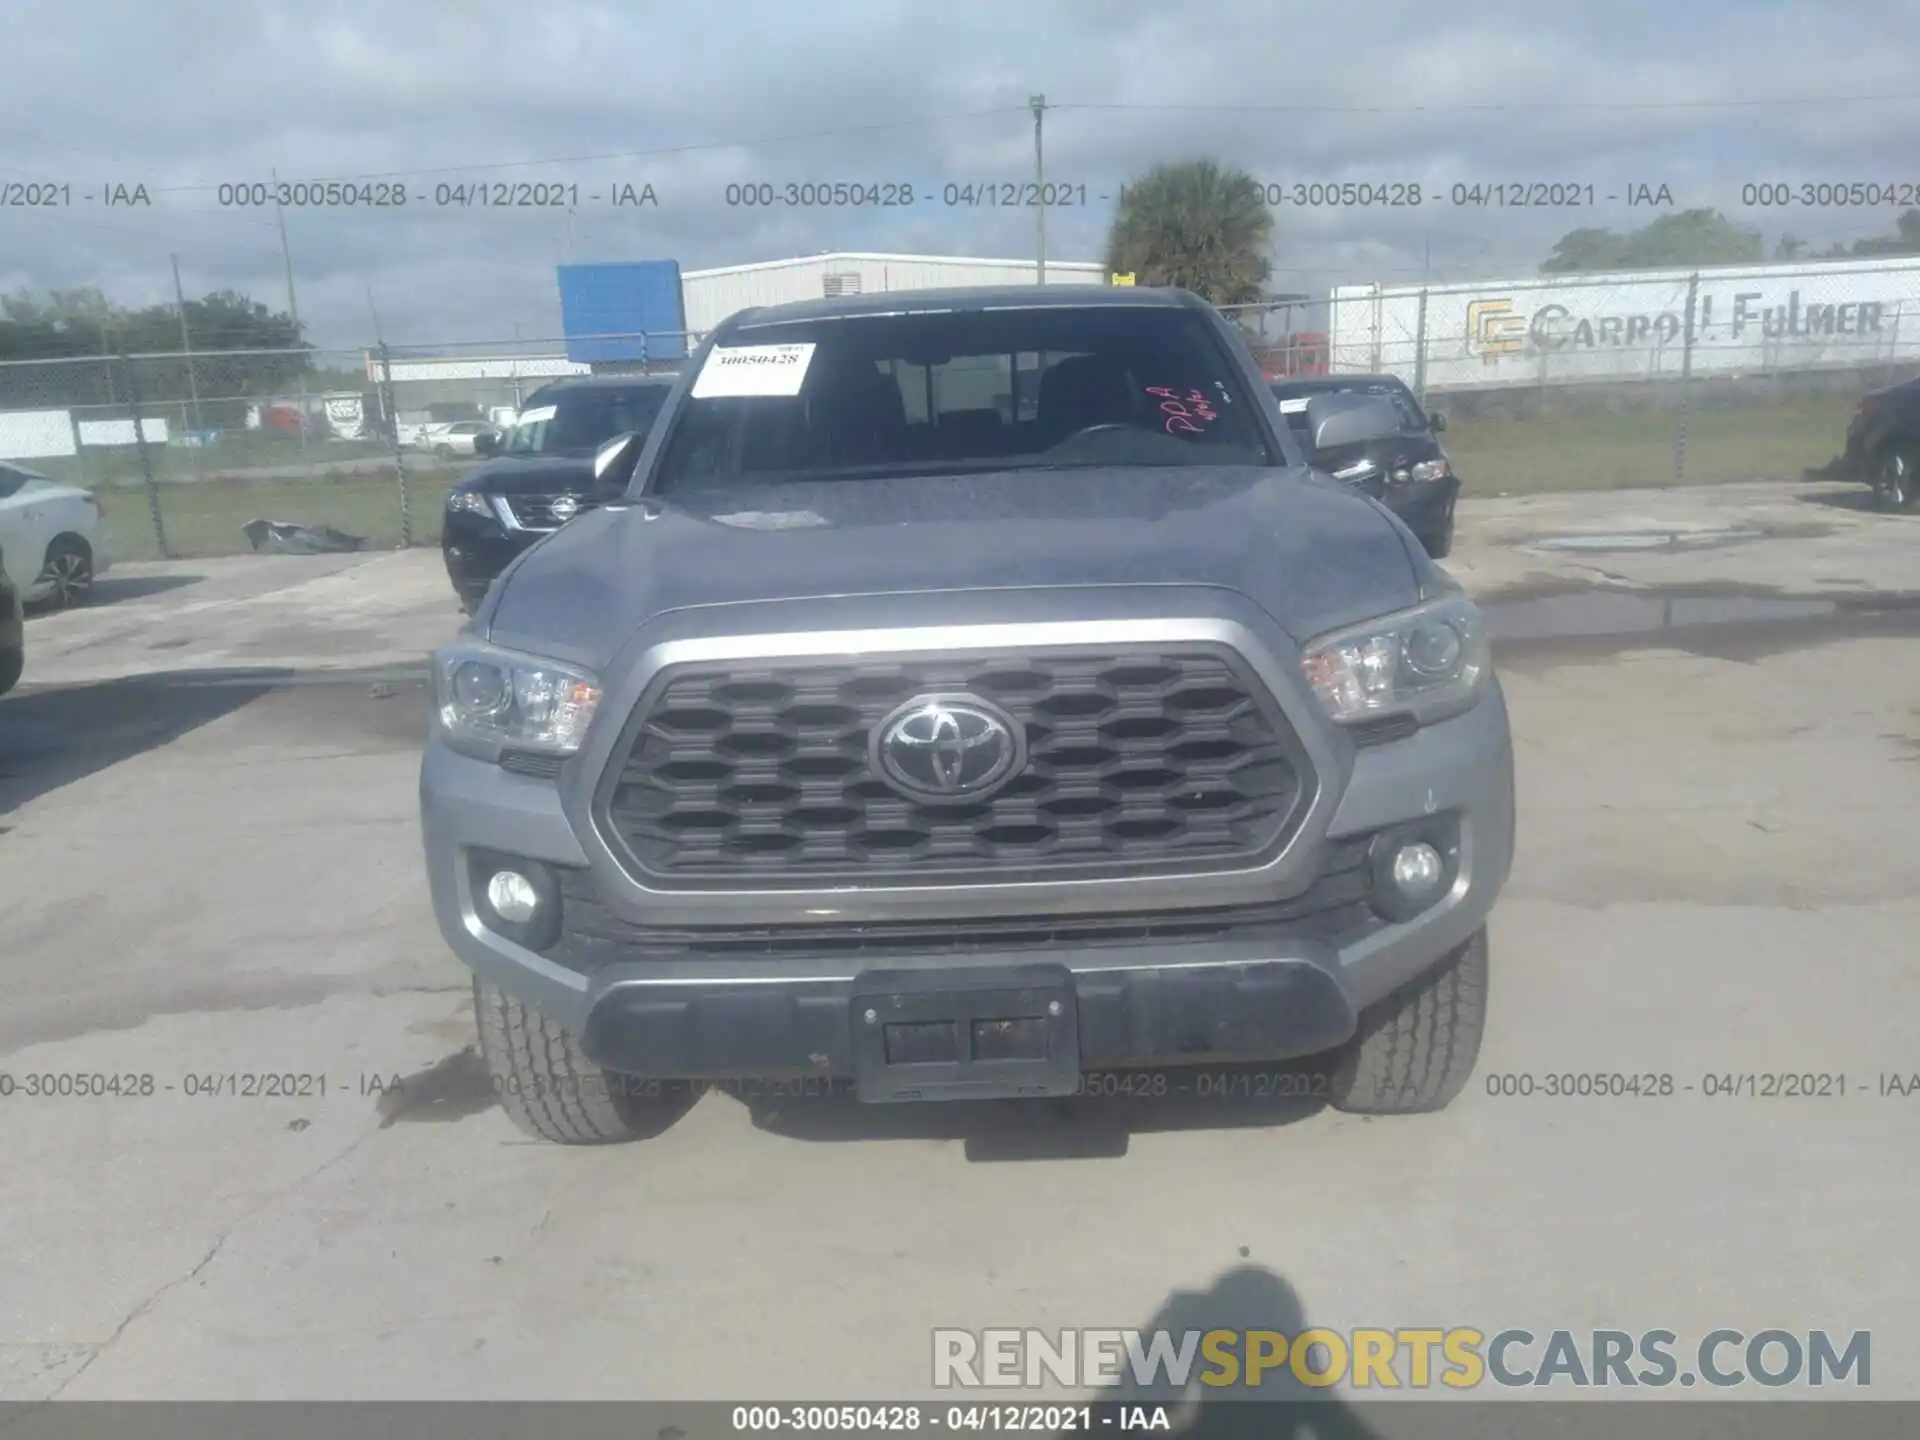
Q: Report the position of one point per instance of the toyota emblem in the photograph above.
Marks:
(952, 748)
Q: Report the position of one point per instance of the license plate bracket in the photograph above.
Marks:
(995, 1033)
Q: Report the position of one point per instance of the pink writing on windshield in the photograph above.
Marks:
(1186, 415)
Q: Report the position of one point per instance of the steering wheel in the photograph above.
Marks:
(1096, 429)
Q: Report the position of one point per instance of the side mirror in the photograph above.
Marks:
(1438, 421)
(613, 465)
(1336, 420)
(487, 442)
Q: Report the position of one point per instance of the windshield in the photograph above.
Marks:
(1039, 388)
(579, 421)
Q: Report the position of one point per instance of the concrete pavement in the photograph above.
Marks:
(202, 881)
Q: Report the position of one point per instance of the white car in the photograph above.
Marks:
(447, 441)
(52, 535)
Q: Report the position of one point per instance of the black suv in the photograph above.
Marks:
(539, 473)
(1883, 447)
(1407, 471)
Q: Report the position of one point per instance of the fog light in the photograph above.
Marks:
(513, 897)
(1417, 870)
(1413, 866)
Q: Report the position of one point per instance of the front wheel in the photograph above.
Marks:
(443, 452)
(552, 1091)
(69, 569)
(1416, 1049)
(12, 664)
(1894, 484)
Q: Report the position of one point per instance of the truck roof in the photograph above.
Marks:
(986, 297)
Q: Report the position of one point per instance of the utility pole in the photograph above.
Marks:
(286, 255)
(186, 343)
(1039, 104)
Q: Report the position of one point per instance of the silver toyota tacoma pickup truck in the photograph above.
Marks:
(966, 695)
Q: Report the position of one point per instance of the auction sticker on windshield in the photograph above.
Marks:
(534, 417)
(739, 370)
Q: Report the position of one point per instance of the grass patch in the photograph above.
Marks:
(1585, 449)
(204, 519)
(1634, 449)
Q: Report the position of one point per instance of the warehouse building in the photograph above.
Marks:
(710, 296)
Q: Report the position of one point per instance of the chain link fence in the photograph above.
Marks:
(1548, 383)
(184, 449)
(1610, 381)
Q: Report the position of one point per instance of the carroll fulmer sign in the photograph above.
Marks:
(1634, 326)
(1495, 327)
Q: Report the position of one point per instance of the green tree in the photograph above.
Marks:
(1690, 238)
(78, 326)
(1198, 225)
(1904, 241)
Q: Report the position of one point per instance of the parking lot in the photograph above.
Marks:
(209, 829)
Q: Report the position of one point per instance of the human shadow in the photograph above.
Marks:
(1277, 1406)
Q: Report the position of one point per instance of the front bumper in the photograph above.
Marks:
(1421, 505)
(476, 549)
(1293, 989)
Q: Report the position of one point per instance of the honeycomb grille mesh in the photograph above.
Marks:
(1163, 758)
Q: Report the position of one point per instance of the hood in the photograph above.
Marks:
(530, 474)
(1307, 550)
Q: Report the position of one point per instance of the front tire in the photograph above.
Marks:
(12, 664)
(443, 452)
(552, 1091)
(69, 568)
(1416, 1049)
(1894, 486)
(1439, 544)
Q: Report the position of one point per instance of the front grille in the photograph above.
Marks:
(535, 512)
(1139, 760)
(1333, 907)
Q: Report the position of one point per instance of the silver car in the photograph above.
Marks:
(970, 695)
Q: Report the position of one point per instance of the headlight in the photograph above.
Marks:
(485, 698)
(1359, 470)
(471, 503)
(1429, 470)
(1430, 662)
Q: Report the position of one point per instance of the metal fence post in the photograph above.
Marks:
(392, 417)
(146, 460)
(1420, 351)
(1686, 379)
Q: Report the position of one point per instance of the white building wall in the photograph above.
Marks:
(711, 296)
(1631, 325)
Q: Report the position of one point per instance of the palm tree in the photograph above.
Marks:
(1198, 225)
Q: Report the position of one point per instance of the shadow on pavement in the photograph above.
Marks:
(1096, 1125)
(1858, 500)
(110, 588)
(1276, 1407)
(52, 737)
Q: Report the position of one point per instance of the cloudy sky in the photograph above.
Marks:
(1702, 96)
